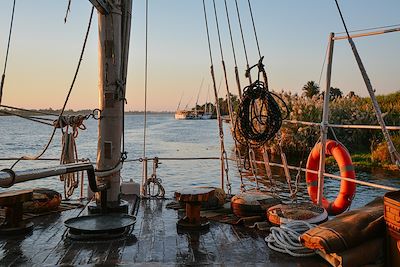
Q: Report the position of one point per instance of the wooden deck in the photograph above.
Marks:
(154, 241)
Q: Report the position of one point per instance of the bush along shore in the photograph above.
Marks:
(367, 147)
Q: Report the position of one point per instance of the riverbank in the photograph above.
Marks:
(364, 162)
(70, 112)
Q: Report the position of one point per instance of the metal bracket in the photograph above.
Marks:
(102, 6)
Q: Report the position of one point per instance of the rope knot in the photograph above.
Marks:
(73, 121)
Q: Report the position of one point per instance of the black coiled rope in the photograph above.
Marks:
(259, 117)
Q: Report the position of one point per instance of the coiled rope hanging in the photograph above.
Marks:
(259, 116)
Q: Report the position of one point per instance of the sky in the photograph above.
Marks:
(292, 35)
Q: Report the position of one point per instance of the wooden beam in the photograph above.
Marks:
(102, 6)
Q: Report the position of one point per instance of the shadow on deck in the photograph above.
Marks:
(154, 241)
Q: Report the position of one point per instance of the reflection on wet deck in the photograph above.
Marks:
(154, 240)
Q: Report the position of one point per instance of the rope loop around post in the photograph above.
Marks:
(124, 156)
(260, 65)
(95, 116)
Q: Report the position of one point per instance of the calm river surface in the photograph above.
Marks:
(166, 137)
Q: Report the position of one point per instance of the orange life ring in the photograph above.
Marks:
(347, 189)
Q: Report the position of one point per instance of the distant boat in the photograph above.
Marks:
(192, 115)
(206, 116)
(183, 115)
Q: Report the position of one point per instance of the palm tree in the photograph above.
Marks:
(310, 89)
(335, 93)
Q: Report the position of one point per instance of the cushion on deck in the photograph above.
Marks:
(370, 252)
(347, 230)
(253, 203)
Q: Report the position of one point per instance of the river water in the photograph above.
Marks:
(166, 138)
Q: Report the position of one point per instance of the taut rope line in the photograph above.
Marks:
(31, 118)
(145, 78)
(243, 40)
(67, 97)
(228, 98)
(254, 28)
(29, 110)
(323, 64)
(233, 52)
(221, 132)
(8, 49)
(144, 171)
(394, 154)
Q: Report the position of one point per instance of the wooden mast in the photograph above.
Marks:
(114, 31)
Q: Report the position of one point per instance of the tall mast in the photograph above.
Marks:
(114, 32)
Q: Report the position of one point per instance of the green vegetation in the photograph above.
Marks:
(223, 105)
(360, 160)
(310, 89)
(368, 147)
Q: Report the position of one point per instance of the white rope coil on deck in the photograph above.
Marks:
(285, 239)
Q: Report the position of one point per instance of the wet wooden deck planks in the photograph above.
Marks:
(154, 240)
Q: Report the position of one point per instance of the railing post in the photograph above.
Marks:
(143, 190)
(325, 121)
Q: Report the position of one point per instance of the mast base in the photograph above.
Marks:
(121, 207)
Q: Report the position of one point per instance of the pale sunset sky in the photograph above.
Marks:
(293, 37)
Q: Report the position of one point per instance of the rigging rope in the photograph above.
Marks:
(145, 79)
(219, 119)
(243, 40)
(228, 98)
(230, 33)
(254, 28)
(31, 118)
(61, 122)
(144, 171)
(67, 97)
(68, 11)
(3, 77)
(394, 154)
(69, 154)
(323, 64)
(285, 164)
(29, 110)
(233, 52)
